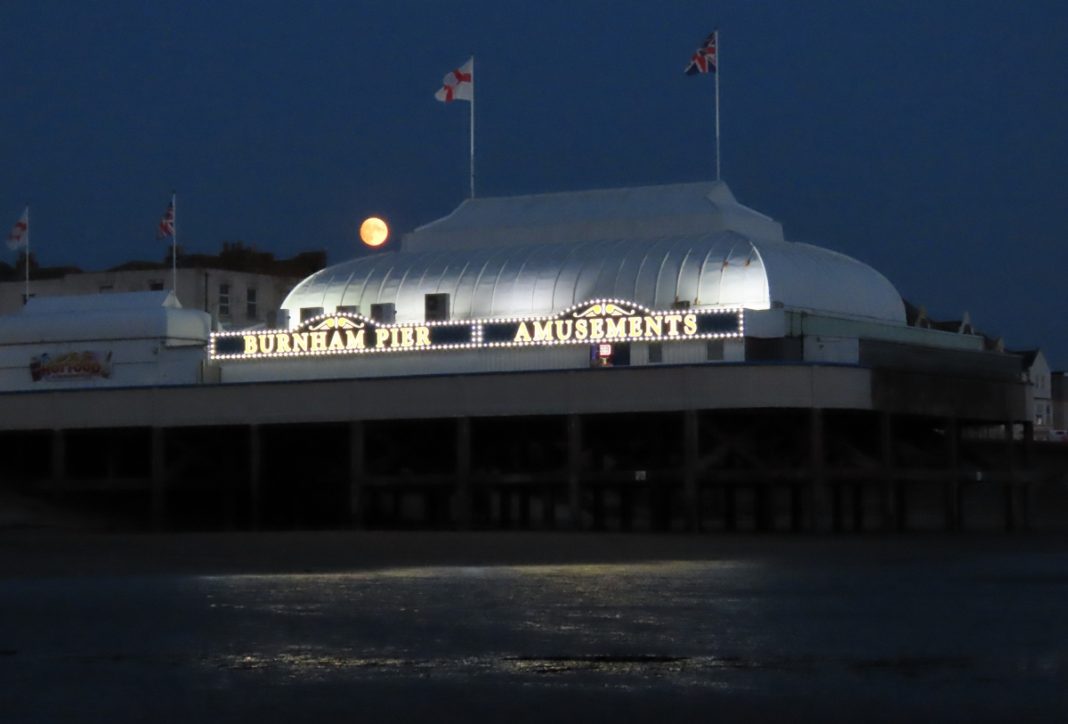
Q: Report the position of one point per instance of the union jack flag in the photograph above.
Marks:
(165, 229)
(704, 60)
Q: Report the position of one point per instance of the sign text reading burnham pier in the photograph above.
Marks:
(595, 321)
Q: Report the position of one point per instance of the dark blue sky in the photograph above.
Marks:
(925, 138)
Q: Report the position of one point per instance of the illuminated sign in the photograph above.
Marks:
(70, 366)
(600, 321)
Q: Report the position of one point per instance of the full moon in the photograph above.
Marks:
(373, 231)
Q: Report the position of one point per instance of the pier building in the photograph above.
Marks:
(657, 358)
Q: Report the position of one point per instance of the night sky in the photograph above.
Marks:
(927, 139)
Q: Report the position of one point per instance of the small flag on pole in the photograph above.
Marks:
(459, 85)
(20, 233)
(704, 59)
(165, 230)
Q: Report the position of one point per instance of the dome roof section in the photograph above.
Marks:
(537, 255)
(647, 212)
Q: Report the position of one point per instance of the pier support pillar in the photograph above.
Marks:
(891, 514)
(574, 470)
(524, 508)
(691, 453)
(763, 497)
(951, 492)
(730, 508)
(1028, 465)
(797, 517)
(597, 493)
(59, 460)
(255, 476)
(626, 508)
(818, 514)
(356, 474)
(858, 507)
(836, 491)
(464, 497)
(1010, 480)
(548, 517)
(158, 486)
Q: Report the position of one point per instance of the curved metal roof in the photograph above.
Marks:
(703, 247)
(723, 269)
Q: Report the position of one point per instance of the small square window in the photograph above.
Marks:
(307, 313)
(714, 352)
(656, 353)
(155, 285)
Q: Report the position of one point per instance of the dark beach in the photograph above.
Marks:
(403, 626)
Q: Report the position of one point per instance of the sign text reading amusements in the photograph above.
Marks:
(595, 321)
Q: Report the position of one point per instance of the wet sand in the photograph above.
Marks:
(418, 626)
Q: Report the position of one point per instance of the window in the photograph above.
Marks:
(250, 303)
(384, 312)
(107, 288)
(307, 313)
(347, 309)
(155, 285)
(715, 350)
(656, 353)
(436, 307)
(224, 300)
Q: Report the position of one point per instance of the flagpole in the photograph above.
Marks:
(716, 33)
(472, 126)
(174, 246)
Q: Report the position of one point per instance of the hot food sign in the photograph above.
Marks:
(70, 366)
(593, 322)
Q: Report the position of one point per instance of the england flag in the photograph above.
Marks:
(20, 234)
(459, 85)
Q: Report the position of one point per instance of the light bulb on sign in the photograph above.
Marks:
(373, 231)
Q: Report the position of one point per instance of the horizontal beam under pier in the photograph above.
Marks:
(613, 390)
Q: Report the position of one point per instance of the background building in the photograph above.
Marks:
(239, 287)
